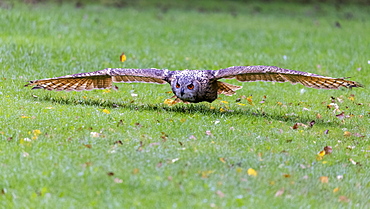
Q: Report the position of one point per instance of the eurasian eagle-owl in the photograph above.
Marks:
(190, 85)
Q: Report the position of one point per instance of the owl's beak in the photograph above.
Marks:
(182, 91)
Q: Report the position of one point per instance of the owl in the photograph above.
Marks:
(191, 86)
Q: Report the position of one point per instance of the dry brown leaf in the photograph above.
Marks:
(88, 146)
(347, 133)
(295, 126)
(135, 171)
(324, 179)
(328, 150)
(343, 199)
(118, 142)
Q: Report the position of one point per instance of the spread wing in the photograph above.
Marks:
(101, 79)
(276, 74)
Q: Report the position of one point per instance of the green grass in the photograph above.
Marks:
(164, 158)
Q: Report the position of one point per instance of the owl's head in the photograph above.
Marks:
(185, 88)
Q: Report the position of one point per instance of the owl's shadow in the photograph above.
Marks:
(199, 108)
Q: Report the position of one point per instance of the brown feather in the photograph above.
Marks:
(226, 88)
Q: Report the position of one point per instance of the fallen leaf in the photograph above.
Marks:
(335, 190)
(321, 153)
(192, 137)
(117, 180)
(88, 146)
(205, 174)
(328, 150)
(312, 123)
(344, 199)
(358, 135)
(87, 164)
(287, 175)
(110, 174)
(295, 126)
(122, 58)
(220, 194)
(354, 162)
(94, 134)
(222, 110)
(25, 154)
(135, 171)
(333, 106)
(340, 116)
(154, 144)
(36, 133)
(106, 111)
(169, 102)
(252, 172)
(222, 160)
(249, 99)
(118, 142)
(209, 133)
(279, 192)
(347, 133)
(324, 179)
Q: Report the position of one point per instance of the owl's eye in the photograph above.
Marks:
(190, 86)
(177, 85)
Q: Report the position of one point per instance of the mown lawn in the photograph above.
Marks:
(127, 149)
